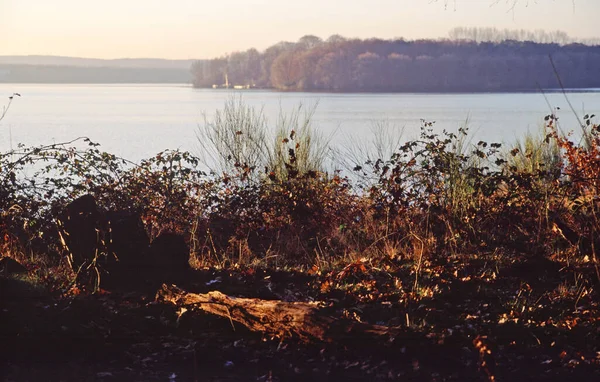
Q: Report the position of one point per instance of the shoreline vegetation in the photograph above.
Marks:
(438, 259)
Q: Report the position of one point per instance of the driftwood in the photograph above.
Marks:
(278, 319)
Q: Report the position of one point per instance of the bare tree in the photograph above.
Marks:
(510, 4)
(286, 71)
(495, 35)
(309, 41)
(336, 38)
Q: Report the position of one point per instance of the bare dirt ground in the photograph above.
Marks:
(453, 320)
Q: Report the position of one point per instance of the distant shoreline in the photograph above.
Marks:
(57, 74)
(271, 90)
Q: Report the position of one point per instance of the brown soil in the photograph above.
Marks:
(463, 320)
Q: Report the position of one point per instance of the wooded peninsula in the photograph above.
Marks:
(476, 59)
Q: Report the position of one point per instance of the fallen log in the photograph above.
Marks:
(277, 319)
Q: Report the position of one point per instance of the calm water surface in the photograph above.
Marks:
(136, 121)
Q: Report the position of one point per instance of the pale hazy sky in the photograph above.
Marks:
(206, 28)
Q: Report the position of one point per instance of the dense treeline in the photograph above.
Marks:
(340, 64)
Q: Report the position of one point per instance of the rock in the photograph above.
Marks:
(77, 227)
(10, 266)
(102, 246)
(126, 238)
(170, 252)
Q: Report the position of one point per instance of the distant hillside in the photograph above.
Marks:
(96, 62)
(56, 69)
(91, 75)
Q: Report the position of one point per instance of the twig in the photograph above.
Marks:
(5, 108)
(560, 83)
(418, 270)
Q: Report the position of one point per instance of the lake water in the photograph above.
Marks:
(136, 121)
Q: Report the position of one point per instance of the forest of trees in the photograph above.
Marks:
(472, 59)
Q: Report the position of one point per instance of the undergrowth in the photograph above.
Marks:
(275, 205)
(484, 258)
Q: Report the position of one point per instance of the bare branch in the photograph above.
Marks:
(7, 106)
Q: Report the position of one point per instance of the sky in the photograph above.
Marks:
(183, 29)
